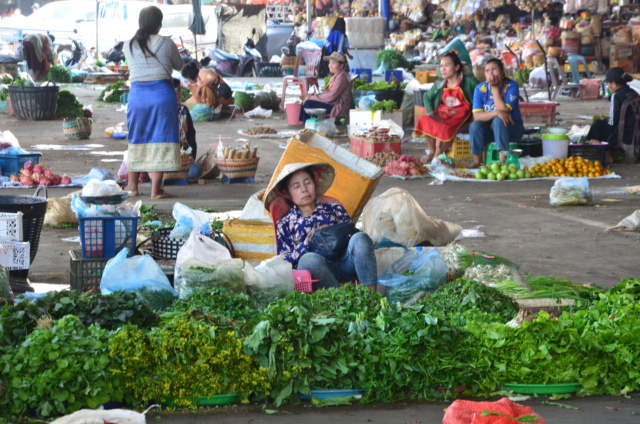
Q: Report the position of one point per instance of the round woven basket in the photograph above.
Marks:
(76, 128)
(238, 168)
(185, 163)
(34, 103)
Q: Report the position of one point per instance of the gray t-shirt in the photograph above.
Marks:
(151, 68)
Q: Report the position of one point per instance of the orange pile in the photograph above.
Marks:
(573, 166)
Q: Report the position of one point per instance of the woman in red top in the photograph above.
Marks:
(336, 99)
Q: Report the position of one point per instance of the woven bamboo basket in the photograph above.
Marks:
(77, 128)
(238, 168)
(185, 163)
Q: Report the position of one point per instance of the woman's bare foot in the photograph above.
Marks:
(474, 166)
(427, 158)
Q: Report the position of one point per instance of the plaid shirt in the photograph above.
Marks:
(292, 229)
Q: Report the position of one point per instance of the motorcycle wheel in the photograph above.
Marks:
(248, 73)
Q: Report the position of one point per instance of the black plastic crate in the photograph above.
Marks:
(418, 97)
(592, 152)
(85, 273)
(267, 69)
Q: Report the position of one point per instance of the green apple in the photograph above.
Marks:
(480, 176)
(520, 173)
(491, 176)
(485, 170)
(500, 176)
(495, 167)
(513, 176)
(527, 174)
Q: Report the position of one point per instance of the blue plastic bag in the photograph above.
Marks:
(201, 113)
(365, 102)
(415, 271)
(139, 274)
(187, 220)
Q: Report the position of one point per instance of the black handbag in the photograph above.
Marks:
(332, 241)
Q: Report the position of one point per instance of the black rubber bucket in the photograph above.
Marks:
(33, 209)
(34, 103)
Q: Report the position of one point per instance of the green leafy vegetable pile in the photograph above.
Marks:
(58, 73)
(386, 106)
(392, 59)
(68, 106)
(379, 85)
(113, 93)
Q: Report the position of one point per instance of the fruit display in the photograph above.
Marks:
(32, 175)
(406, 166)
(377, 135)
(573, 166)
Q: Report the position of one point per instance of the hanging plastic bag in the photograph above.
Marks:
(415, 271)
(365, 102)
(272, 279)
(200, 248)
(569, 191)
(397, 216)
(194, 274)
(139, 274)
(187, 220)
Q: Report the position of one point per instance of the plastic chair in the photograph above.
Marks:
(558, 81)
(311, 59)
(629, 149)
(574, 63)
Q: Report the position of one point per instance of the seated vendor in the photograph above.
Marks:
(607, 129)
(336, 99)
(298, 207)
(207, 87)
(496, 112)
(553, 32)
(442, 33)
(448, 106)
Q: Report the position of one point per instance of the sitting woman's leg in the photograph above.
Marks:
(505, 134)
(480, 134)
(320, 269)
(443, 146)
(313, 104)
(431, 144)
(359, 262)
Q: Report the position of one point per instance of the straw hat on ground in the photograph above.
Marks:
(323, 174)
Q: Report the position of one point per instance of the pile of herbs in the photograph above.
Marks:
(392, 59)
(386, 106)
(113, 93)
(68, 106)
(318, 341)
(58, 73)
(378, 85)
(110, 312)
(61, 367)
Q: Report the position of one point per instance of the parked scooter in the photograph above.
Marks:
(116, 54)
(233, 65)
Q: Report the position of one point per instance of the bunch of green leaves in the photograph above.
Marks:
(315, 341)
(464, 300)
(182, 359)
(417, 356)
(6, 79)
(19, 82)
(386, 106)
(60, 370)
(522, 76)
(68, 106)
(58, 73)
(392, 59)
(628, 286)
(220, 305)
(185, 94)
(326, 82)
(379, 85)
(110, 312)
(113, 92)
(546, 287)
(99, 63)
(4, 94)
(148, 213)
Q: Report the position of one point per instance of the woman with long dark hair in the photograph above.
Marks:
(496, 112)
(152, 113)
(336, 41)
(447, 104)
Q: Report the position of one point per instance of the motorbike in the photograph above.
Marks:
(116, 54)
(233, 65)
(70, 58)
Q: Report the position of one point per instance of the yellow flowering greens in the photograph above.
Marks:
(183, 359)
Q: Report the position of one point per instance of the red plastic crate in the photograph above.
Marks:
(590, 88)
(538, 108)
(302, 281)
(539, 119)
(366, 149)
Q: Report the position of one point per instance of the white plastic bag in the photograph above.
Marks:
(96, 187)
(258, 113)
(101, 416)
(187, 220)
(568, 191)
(201, 248)
(328, 127)
(272, 279)
(138, 274)
(397, 216)
(630, 223)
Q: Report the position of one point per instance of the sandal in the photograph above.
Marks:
(134, 194)
(163, 195)
(474, 166)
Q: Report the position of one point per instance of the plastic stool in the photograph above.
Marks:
(574, 63)
(493, 155)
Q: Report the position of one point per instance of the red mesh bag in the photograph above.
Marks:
(469, 412)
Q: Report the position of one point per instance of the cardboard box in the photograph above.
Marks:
(627, 65)
(360, 120)
(356, 178)
(366, 149)
(621, 51)
(426, 77)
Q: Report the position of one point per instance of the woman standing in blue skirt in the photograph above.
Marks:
(152, 114)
